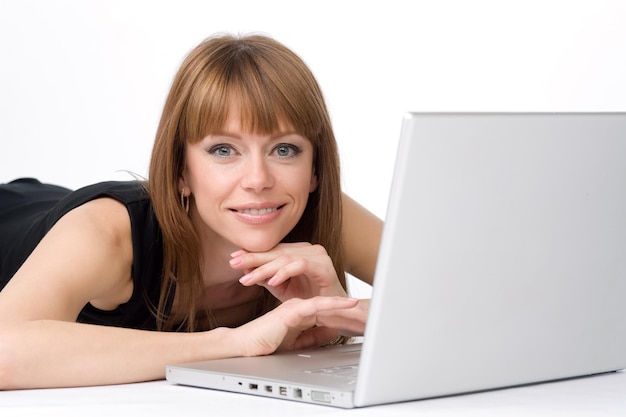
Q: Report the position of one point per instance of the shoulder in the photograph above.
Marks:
(86, 257)
(107, 222)
(122, 215)
(124, 191)
(114, 205)
(105, 216)
(361, 234)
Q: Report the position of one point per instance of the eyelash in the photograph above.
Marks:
(215, 149)
(293, 149)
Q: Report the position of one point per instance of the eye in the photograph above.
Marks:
(222, 151)
(287, 150)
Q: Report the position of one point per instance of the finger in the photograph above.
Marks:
(236, 262)
(246, 260)
(300, 315)
(298, 310)
(317, 269)
(263, 273)
(314, 337)
(290, 268)
(350, 321)
(238, 253)
(242, 259)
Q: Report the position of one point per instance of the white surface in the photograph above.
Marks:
(602, 395)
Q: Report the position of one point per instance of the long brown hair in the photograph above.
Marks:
(271, 84)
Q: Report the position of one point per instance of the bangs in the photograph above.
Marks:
(261, 87)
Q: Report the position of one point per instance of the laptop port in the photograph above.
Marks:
(268, 388)
(253, 386)
(321, 396)
(282, 390)
(297, 393)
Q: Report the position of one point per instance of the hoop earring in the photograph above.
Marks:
(184, 201)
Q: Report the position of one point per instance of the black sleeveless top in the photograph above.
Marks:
(28, 209)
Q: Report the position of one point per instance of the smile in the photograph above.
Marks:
(257, 212)
(257, 216)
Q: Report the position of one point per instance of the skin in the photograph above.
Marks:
(87, 256)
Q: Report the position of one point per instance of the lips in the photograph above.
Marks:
(259, 215)
(257, 212)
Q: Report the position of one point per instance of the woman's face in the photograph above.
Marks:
(249, 190)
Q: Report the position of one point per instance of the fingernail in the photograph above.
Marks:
(235, 261)
(245, 278)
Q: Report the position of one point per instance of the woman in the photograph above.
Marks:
(234, 247)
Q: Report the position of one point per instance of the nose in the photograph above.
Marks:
(257, 174)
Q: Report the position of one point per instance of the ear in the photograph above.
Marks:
(182, 185)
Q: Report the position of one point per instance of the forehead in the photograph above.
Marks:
(239, 119)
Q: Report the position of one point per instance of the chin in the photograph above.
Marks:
(264, 245)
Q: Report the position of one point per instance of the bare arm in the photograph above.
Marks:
(362, 232)
(87, 257)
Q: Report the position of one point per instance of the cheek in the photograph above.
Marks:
(301, 182)
(208, 186)
(208, 179)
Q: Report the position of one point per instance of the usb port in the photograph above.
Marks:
(282, 390)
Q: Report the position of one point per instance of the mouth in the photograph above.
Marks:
(257, 216)
(258, 212)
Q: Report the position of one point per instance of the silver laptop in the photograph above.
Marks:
(503, 262)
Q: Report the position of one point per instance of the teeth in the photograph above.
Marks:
(258, 212)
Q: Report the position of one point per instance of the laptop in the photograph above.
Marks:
(502, 263)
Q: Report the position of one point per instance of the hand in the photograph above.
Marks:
(349, 321)
(295, 324)
(290, 270)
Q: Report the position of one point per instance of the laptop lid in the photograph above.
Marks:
(503, 262)
(503, 259)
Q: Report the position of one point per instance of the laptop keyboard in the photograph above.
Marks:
(347, 373)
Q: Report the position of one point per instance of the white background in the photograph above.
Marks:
(82, 82)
